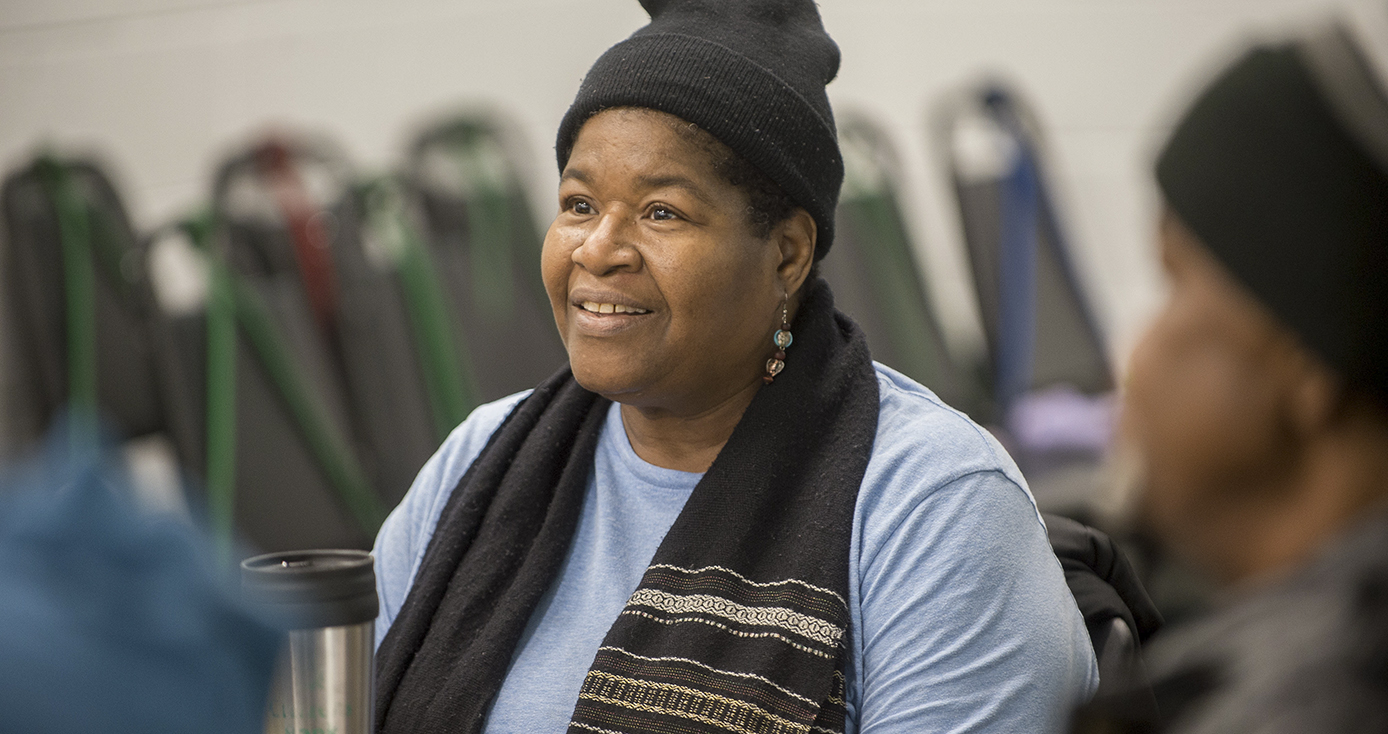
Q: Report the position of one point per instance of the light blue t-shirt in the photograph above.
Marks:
(960, 617)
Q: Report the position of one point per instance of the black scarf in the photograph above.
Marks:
(739, 623)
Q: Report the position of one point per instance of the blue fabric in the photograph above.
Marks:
(1017, 254)
(961, 619)
(112, 620)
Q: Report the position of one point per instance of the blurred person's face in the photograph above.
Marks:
(1209, 403)
(664, 295)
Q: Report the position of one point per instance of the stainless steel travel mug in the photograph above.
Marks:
(326, 678)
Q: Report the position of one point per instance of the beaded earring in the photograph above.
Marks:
(782, 339)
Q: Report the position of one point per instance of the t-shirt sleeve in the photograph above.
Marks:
(966, 622)
(405, 535)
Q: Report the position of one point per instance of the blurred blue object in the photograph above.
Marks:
(112, 619)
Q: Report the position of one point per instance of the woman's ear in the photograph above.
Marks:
(795, 239)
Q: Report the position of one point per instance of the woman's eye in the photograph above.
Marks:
(582, 207)
(661, 213)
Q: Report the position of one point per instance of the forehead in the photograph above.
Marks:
(641, 140)
(1212, 299)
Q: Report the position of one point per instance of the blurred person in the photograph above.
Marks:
(1259, 397)
(722, 516)
(111, 617)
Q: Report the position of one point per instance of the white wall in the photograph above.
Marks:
(161, 88)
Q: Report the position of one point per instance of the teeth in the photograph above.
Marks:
(595, 307)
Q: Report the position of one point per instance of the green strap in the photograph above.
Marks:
(232, 302)
(221, 389)
(221, 406)
(447, 378)
(489, 232)
(484, 170)
(79, 287)
(327, 445)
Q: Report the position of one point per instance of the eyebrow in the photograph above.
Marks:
(646, 183)
(576, 174)
(674, 181)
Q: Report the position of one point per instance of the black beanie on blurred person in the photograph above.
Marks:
(751, 73)
(1281, 169)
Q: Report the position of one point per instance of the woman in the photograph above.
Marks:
(725, 517)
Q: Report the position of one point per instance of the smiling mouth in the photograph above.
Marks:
(605, 308)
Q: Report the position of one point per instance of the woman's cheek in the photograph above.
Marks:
(1172, 411)
(1142, 415)
(1201, 415)
(555, 263)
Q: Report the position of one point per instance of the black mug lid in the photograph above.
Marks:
(313, 588)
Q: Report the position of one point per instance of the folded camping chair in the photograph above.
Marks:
(76, 307)
(874, 273)
(331, 410)
(1048, 366)
(393, 239)
(337, 297)
(268, 462)
(482, 237)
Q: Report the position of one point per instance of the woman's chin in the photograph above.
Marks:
(606, 379)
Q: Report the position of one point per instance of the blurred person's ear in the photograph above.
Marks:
(1316, 398)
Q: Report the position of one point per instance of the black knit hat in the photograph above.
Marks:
(1281, 169)
(750, 72)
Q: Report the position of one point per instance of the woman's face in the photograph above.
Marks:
(663, 295)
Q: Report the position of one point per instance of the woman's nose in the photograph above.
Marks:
(607, 247)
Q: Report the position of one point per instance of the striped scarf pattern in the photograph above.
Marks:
(802, 624)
